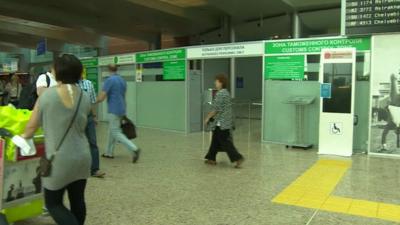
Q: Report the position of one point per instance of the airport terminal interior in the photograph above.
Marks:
(200, 112)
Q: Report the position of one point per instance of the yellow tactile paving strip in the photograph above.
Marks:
(313, 190)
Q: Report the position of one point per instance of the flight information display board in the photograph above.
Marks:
(372, 16)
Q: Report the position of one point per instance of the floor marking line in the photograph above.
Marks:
(312, 217)
(314, 188)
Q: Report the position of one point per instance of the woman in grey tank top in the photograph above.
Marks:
(54, 111)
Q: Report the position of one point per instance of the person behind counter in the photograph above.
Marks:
(14, 88)
(3, 92)
(62, 111)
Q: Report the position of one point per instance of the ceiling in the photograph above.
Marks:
(23, 22)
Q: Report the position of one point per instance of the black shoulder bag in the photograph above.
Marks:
(128, 128)
(45, 163)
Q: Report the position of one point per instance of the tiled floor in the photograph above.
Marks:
(172, 186)
(314, 190)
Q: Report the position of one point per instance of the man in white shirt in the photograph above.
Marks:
(44, 81)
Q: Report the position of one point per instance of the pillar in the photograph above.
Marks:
(296, 25)
(232, 34)
(343, 18)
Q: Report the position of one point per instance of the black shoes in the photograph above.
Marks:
(107, 156)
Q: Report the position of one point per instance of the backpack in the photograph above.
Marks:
(29, 96)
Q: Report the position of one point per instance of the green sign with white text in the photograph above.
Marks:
(89, 62)
(315, 45)
(91, 72)
(107, 60)
(284, 67)
(174, 70)
(125, 59)
(160, 56)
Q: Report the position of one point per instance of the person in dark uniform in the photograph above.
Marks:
(221, 121)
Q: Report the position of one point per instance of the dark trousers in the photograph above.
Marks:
(389, 126)
(222, 141)
(14, 101)
(61, 215)
(94, 149)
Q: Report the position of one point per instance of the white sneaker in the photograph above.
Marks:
(383, 148)
(45, 211)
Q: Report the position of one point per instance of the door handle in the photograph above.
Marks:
(355, 120)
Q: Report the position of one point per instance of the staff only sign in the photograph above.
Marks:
(226, 51)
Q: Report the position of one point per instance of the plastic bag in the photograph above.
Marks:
(14, 120)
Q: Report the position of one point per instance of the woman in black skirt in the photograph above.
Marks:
(221, 121)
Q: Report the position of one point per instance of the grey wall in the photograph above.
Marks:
(264, 29)
(213, 37)
(248, 31)
(279, 118)
(161, 105)
(314, 23)
(361, 110)
(213, 67)
(251, 71)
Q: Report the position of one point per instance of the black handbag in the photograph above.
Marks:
(211, 123)
(45, 164)
(128, 128)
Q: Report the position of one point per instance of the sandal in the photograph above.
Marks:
(99, 174)
(210, 162)
(239, 163)
(107, 156)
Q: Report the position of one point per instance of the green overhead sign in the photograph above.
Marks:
(125, 59)
(160, 56)
(284, 67)
(174, 70)
(91, 71)
(107, 60)
(92, 74)
(89, 62)
(315, 45)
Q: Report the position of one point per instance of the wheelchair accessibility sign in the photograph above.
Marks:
(336, 128)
